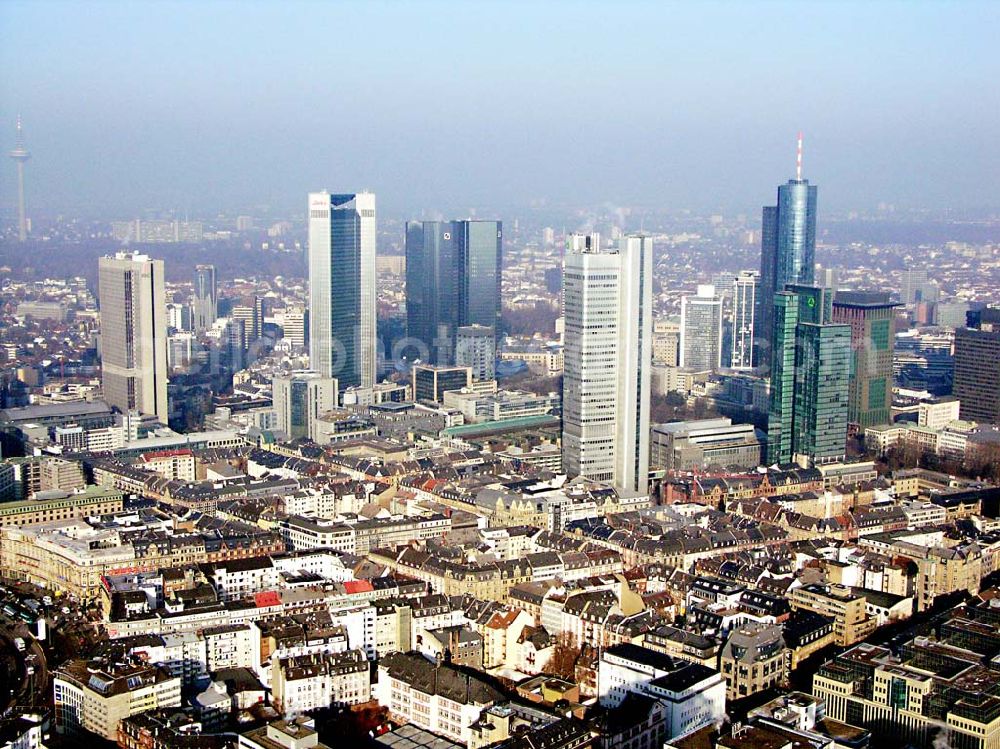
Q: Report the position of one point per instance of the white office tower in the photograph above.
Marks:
(583, 243)
(577, 242)
(293, 326)
(342, 334)
(299, 399)
(475, 347)
(180, 350)
(701, 330)
(608, 351)
(179, 317)
(744, 301)
(133, 333)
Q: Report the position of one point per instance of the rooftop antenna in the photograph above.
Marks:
(798, 159)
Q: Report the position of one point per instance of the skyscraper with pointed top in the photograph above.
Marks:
(787, 251)
(20, 154)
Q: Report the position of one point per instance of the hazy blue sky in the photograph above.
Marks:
(444, 105)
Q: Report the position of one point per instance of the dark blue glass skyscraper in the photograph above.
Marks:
(453, 275)
(787, 254)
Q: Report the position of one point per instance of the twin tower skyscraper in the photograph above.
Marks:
(453, 279)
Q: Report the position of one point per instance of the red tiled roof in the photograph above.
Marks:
(358, 586)
(267, 598)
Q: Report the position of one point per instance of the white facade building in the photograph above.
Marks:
(449, 707)
(701, 329)
(695, 695)
(606, 386)
(938, 413)
(299, 399)
(231, 646)
(319, 680)
(744, 303)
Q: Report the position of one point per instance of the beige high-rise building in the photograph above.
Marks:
(293, 326)
(133, 333)
(701, 329)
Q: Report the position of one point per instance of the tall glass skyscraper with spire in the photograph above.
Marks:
(787, 252)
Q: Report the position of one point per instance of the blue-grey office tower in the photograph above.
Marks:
(787, 252)
(453, 279)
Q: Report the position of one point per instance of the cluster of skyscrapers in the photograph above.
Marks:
(828, 353)
(806, 352)
(453, 282)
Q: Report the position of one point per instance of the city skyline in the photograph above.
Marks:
(715, 151)
(429, 374)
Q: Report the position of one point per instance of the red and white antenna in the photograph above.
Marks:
(798, 158)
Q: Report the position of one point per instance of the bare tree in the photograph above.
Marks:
(564, 656)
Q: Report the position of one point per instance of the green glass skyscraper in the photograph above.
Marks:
(810, 370)
(779, 421)
(822, 374)
(870, 316)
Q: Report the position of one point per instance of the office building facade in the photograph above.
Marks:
(133, 333)
(699, 444)
(917, 288)
(342, 332)
(299, 399)
(453, 279)
(701, 330)
(870, 316)
(205, 306)
(822, 392)
(475, 347)
(431, 381)
(977, 373)
(608, 354)
(294, 324)
(810, 373)
(744, 313)
(251, 312)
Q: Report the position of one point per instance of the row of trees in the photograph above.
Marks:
(982, 463)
